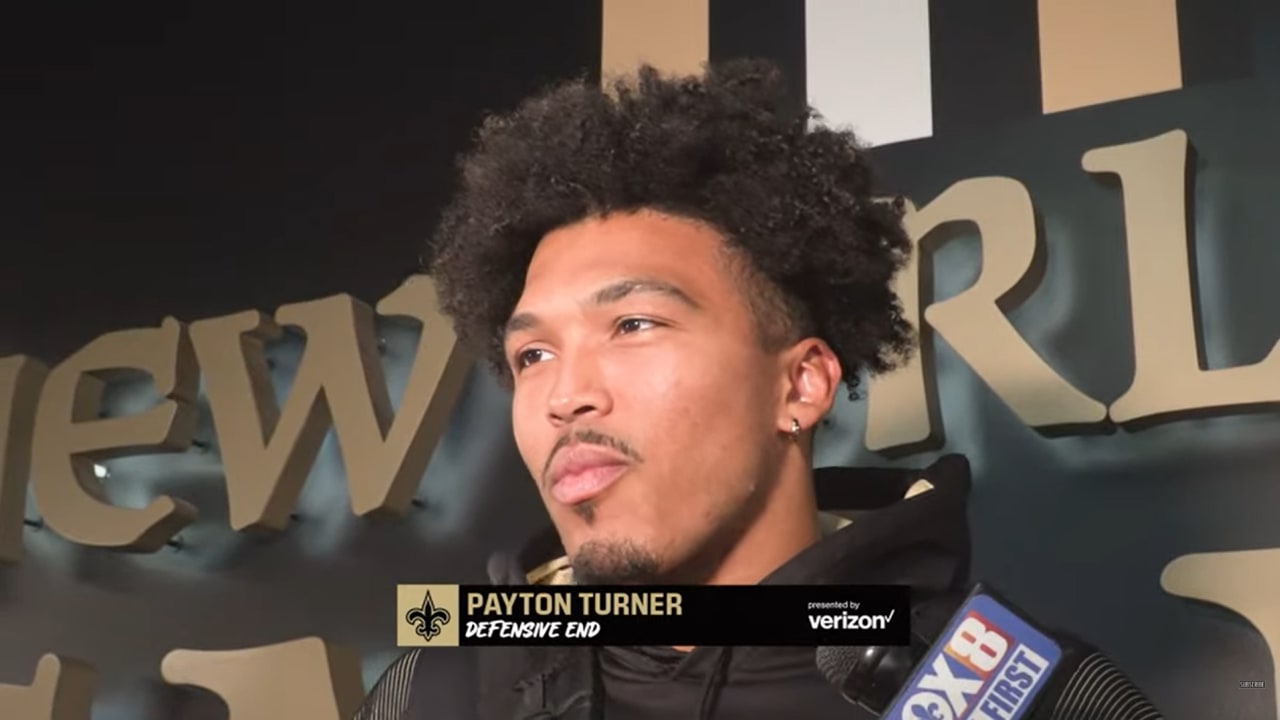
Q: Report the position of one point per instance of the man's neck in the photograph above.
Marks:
(786, 525)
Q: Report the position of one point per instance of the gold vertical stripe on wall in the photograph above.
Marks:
(671, 35)
(1097, 51)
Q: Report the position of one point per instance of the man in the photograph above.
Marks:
(674, 278)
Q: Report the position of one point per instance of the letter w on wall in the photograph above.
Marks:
(268, 451)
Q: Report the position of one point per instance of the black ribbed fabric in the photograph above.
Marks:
(1098, 690)
(389, 699)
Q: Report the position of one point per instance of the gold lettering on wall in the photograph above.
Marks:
(973, 322)
(1245, 582)
(1168, 373)
(307, 678)
(69, 437)
(383, 476)
(672, 35)
(1097, 51)
(268, 451)
(21, 378)
(62, 689)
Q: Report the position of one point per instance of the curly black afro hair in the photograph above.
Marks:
(795, 200)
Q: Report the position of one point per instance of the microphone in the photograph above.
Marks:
(988, 662)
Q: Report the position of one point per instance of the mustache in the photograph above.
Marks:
(590, 437)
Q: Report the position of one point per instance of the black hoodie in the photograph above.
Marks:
(892, 526)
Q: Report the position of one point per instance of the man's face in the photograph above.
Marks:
(645, 406)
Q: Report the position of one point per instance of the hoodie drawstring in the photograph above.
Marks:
(715, 683)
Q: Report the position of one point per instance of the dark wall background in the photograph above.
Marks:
(166, 161)
(195, 161)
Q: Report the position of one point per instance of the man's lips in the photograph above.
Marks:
(580, 472)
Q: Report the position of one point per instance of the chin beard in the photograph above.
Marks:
(614, 562)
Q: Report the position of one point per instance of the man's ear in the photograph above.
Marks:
(812, 377)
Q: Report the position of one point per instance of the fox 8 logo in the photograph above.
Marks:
(959, 672)
(978, 645)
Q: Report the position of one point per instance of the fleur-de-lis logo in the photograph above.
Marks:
(428, 620)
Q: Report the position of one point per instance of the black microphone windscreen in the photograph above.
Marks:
(866, 676)
(837, 663)
(389, 699)
(1098, 690)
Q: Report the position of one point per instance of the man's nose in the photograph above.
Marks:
(579, 390)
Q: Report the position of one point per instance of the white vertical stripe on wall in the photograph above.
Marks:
(868, 67)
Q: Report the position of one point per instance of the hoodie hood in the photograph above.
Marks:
(881, 526)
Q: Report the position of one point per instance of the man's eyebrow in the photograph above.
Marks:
(519, 323)
(611, 293)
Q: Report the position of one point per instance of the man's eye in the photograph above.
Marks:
(630, 325)
(529, 357)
